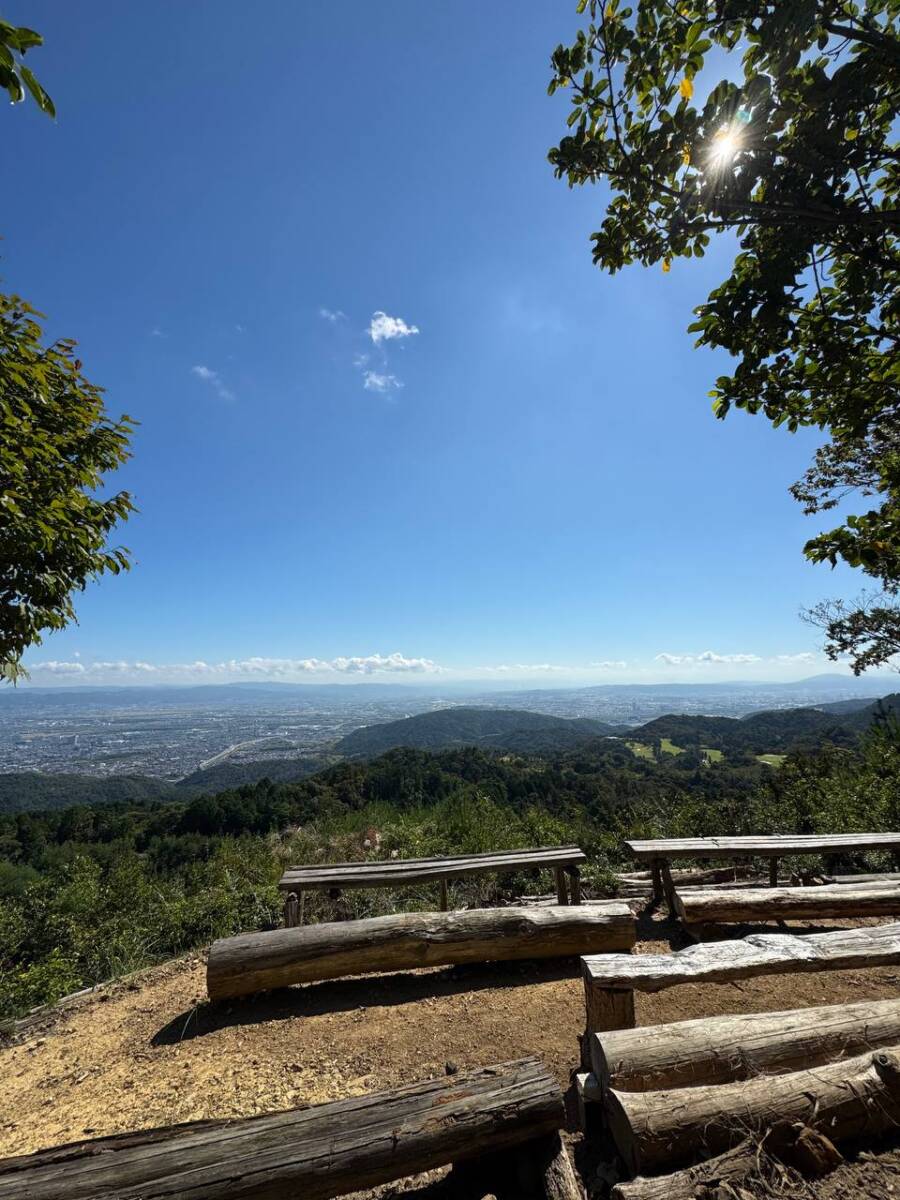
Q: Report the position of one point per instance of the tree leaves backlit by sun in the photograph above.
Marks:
(793, 151)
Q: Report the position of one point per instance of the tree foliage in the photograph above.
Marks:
(792, 153)
(56, 444)
(15, 42)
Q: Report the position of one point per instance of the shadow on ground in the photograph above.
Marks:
(350, 995)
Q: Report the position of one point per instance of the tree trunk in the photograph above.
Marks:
(315, 1153)
(254, 962)
(799, 903)
(722, 1049)
(657, 1131)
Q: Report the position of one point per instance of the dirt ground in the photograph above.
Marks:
(151, 1051)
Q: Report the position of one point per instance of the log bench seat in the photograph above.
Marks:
(879, 898)
(610, 980)
(255, 962)
(325, 1150)
(400, 872)
(659, 852)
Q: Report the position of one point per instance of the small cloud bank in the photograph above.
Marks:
(383, 328)
(214, 379)
(711, 658)
(235, 669)
(332, 315)
(374, 381)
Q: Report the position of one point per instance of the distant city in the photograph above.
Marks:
(168, 733)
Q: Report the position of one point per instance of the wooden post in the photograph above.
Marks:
(607, 1008)
(656, 875)
(301, 915)
(562, 895)
(575, 883)
(773, 872)
(896, 860)
(444, 900)
(667, 884)
(290, 910)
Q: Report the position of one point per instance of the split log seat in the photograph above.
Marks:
(709, 906)
(255, 962)
(399, 872)
(660, 1130)
(610, 980)
(737, 1046)
(317, 1152)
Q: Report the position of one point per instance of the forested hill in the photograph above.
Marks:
(491, 728)
(775, 732)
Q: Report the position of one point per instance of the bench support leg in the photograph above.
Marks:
(290, 910)
(656, 876)
(562, 894)
(609, 1008)
(575, 884)
(668, 886)
(444, 899)
(773, 872)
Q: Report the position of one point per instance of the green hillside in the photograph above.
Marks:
(494, 728)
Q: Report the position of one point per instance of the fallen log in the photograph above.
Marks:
(732, 1166)
(722, 1049)
(784, 903)
(319, 1152)
(661, 1130)
(254, 962)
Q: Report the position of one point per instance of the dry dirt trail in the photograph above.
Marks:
(150, 1051)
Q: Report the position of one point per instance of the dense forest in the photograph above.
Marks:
(96, 890)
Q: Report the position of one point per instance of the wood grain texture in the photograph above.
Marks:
(661, 1130)
(399, 871)
(757, 954)
(740, 1046)
(774, 845)
(701, 1180)
(314, 1153)
(254, 962)
(877, 899)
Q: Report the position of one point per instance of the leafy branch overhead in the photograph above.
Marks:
(14, 75)
(792, 154)
(56, 445)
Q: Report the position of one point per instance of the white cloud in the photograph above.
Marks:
(525, 668)
(373, 381)
(255, 667)
(608, 665)
(706, 658)
(383, 328)
(214, 379)
(332, 314)
(806, 656)
(156, 332)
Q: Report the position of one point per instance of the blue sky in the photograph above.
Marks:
(532, 483)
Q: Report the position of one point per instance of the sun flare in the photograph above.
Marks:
(726, 145)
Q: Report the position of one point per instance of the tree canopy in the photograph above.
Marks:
(56, 444)
(791, 153)
(15, 42)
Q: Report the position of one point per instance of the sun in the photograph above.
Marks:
(726, 144)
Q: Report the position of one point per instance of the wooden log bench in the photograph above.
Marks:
(565, 861)
(254, 962)
(660, 852)
(825, 901)
(737, 1046)
(657, 1131)
(610, 980)
(514, 1109)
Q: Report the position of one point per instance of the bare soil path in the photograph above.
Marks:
(151, 1051)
